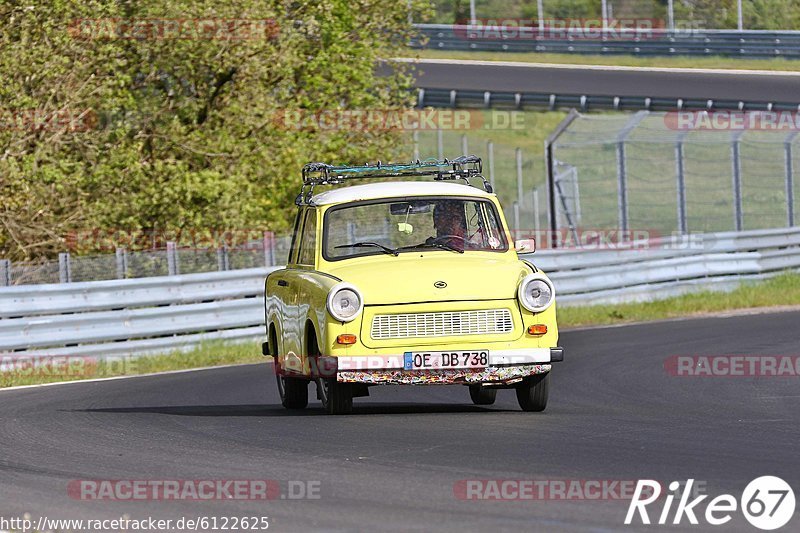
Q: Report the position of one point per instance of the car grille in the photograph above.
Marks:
(445, 324)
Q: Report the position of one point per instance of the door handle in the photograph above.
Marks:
(283, 283)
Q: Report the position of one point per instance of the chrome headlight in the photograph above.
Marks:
(344, 302)
(536, 293)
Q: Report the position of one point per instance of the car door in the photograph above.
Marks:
(282, 290)
(303, 260)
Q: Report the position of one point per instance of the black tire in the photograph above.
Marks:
(337, 398)
(293, 391)
(481, 395)
(532, 393)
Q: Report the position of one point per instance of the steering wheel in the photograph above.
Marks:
(441, 238)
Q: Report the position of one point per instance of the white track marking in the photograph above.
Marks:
(523, 64)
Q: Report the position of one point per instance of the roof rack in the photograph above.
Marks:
(460, 168)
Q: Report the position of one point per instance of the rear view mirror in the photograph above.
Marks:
(409, 208)
(525, 246)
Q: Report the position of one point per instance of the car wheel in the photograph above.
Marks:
(337, 398)
(293, 391)
(481, 395)
(532, 392)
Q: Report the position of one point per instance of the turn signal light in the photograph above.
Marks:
(348, 339)
(537, 329)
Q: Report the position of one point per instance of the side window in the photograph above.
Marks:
(296, 237)
(308, 243)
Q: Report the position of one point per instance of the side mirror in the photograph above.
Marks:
(525, 246)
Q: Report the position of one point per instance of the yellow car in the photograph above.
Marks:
(407, 282)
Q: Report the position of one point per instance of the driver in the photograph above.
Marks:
(450, 222)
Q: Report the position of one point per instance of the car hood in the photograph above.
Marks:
(418, 277)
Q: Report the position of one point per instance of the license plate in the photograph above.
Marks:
(445, 360)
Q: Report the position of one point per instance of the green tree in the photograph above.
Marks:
(177, 133)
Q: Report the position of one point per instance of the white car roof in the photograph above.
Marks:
(395, 189)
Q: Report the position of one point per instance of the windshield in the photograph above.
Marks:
(395, 226)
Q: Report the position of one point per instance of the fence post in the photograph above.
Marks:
(790, 178)
(490, 154)
(622, 189)
(520, 192)
(122, 263)
(223, 258)
(269, 249)
(622, 172)
(681, 185)
(464, 144)
(536, 210)
(64, 270)
(440, 143)
(172, 259)
(516, 219)
(415, 138)
(550, 162)
(737, 180)
(5, 272)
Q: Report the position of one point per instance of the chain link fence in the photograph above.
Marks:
(516, 175)
(645, 171)
(168, 261)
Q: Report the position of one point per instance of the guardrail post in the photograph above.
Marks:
(490, 153)
(64, 270)
(440, 143)
(790, 178)
(122, 263)
(415, 138)
(172, 259)
(680, 175)
(737, 180)
(536, 210)
(464, 144)
(269, 249)
(516, 218)
(5, 273)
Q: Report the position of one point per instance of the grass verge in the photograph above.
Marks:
(725, 63)
(781, 290)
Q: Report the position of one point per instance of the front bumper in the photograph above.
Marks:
(505, 367)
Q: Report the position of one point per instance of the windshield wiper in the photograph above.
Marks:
(385, 249)
(441, 245)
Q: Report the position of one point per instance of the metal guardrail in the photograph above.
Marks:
(461, 98)
(148, 315)
(744, 44)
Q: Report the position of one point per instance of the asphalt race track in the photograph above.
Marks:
(608, 81)
(614, 414)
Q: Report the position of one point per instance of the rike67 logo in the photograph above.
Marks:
(767, 503)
